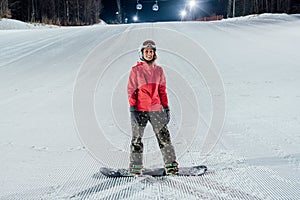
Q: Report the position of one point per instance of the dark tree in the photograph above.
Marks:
(60, 12)
(4, 9)
(246, 7)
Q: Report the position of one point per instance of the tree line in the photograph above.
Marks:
(85, 12)
(58, 12)
(247, 7)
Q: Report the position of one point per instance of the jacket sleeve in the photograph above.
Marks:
(132, 88)
(162, 90)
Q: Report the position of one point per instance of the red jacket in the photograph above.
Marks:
(147, 87)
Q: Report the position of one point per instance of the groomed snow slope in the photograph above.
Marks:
(44, 153)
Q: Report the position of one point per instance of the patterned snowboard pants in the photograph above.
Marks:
(158, 122)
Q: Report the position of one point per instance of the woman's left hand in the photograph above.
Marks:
(167, 111)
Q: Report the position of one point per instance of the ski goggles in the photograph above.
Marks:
(149, 44)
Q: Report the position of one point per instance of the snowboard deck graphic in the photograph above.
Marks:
(156, 172)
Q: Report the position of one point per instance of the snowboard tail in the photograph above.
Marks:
(156, 172)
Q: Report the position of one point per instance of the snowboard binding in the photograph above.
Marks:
(172, 168)
(136, 169)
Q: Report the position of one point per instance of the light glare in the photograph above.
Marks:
(183, 13)
(192, 4)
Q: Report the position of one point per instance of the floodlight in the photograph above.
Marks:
(183, 13)
(192, 4)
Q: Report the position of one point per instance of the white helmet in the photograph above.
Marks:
(147, 44)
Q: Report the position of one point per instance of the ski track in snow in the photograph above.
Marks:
(257, 156)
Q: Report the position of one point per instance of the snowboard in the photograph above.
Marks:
(156, 172)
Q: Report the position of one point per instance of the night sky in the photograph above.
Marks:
(169, 10)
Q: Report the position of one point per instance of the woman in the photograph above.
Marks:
(149, 102)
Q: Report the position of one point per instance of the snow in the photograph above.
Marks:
(57, 83)
(11, 24)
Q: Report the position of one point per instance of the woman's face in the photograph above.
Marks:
(148, 54)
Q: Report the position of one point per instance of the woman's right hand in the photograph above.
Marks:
(135, 117)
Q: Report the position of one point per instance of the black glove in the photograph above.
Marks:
(135, 117)
(167, 111)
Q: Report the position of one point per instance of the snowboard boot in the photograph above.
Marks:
(172, 168)
(136, 169)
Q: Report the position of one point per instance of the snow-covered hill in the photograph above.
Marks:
(12, 24)
(233, 88)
